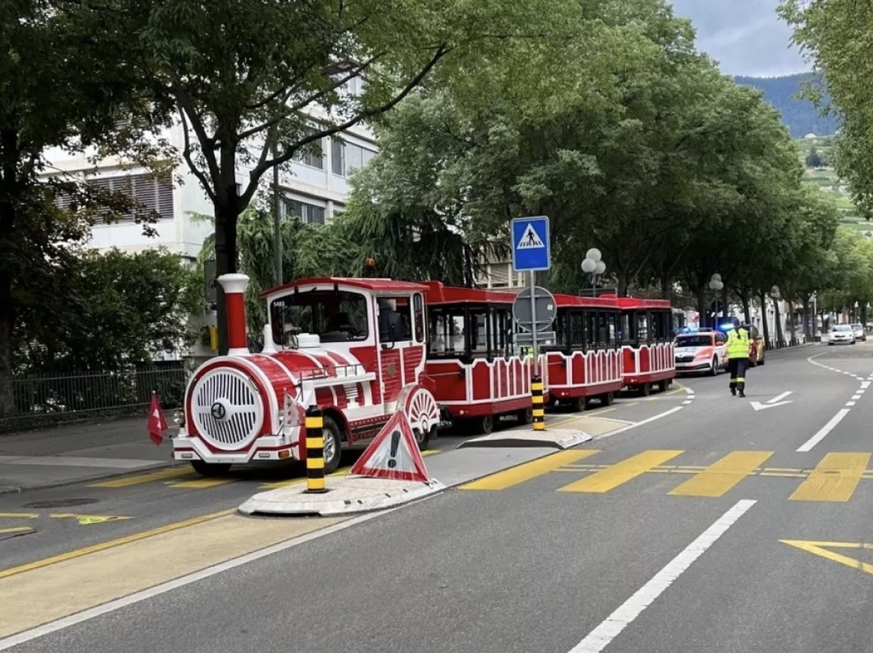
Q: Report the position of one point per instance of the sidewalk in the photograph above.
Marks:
(81, 452)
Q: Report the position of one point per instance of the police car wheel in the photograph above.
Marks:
(713, 367)
(210, 469)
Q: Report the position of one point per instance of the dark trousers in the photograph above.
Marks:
(737, 368)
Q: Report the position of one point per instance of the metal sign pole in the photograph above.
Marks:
(533, 331)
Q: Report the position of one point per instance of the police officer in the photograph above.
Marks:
(738, 357)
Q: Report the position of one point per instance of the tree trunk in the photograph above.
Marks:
(808, 328)
(701, 305)
(764, 324)
(7, 400)
(725, 296)
(779, 337)
(666, 287)
(226, 218)
(8, 184)
(791, 325)
(864, 315)
(747, 309)
(623, 283)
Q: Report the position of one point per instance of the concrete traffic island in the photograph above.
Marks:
(556, 438)
(345, 495)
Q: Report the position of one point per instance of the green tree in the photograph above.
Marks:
(836, 34)
(256, 83)
(57, 90)
(119, 310)
(813, 159)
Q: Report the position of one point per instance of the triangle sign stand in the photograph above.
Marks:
(394, 454)
(530, 239)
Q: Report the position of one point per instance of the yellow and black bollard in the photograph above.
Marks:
(538, 408)
(314, 451)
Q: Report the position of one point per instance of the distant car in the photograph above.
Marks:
(700, 351)
(841, 334)
(859, 331)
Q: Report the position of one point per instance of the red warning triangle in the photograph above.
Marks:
(394, 454)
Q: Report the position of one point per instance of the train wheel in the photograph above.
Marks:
(423, 413)
(484, 425)
(333, 445)
(663, 385)
(210, 469)
(525, 416)
(645, 389)
(579, 404)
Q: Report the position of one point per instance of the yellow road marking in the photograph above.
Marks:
(722, 475)
(834, 478)
(528, 471)
(18, 515)
(620, 473)
(818, 548)
(18, 530)
(202, 483)
(77, 553)
(139, 479)
(87, 520)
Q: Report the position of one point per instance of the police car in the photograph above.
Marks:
(700, 351)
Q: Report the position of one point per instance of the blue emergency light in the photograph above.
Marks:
(727, 327)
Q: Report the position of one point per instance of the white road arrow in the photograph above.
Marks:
(775, 401)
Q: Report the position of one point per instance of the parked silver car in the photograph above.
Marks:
(859, 331)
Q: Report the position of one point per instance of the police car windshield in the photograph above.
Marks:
(694, 341)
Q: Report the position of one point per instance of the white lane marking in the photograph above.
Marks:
(856, 397)
(827, 428)
(599, 638)
(686, 403)
(865, 384)
(53, 626)
(689, 390)
(850, 403)
(777, 398)
(675, 409)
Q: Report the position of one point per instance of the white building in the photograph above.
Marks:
(316, 190)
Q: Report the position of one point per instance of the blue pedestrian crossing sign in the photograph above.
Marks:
(530, 244)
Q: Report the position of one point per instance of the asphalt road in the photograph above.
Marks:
(716, 527)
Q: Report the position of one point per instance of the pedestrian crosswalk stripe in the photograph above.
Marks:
(720, 477)
(834, 478)
(620, 473)
(527, 471)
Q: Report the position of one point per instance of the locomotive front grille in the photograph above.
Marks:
(227, 409)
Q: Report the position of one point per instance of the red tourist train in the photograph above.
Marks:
(360, 349)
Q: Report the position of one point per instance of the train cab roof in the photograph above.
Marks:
(373, 285)
(438, 293)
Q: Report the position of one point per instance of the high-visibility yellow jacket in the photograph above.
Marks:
(738, 343)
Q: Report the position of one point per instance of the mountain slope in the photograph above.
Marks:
(800, 116)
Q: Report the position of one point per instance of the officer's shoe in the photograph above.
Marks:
(742, 394)
(734, 392)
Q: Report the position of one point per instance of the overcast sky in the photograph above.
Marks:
(745, 36)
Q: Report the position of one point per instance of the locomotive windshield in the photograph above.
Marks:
(335, 316)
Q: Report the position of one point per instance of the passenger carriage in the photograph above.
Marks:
(353, 347)
(586, 360)
(478, 372)
(646, 343)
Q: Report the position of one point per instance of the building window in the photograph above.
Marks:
(311, 155)
(308, 213)
(148, 192)
(348, 157)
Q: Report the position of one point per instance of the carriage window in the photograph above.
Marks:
(335, 316)
(577, 329)
(501, 331)
(611, 321)
(626, 332)
(395, 319)
(418, 314)
(604, 338)
(643, 333)
(446, 331)
(479, 331)
(590, 331)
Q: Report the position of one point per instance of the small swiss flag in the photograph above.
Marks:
(157, 424)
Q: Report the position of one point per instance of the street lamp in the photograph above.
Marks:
(776, 295)
(716, 285)
(594, 266)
